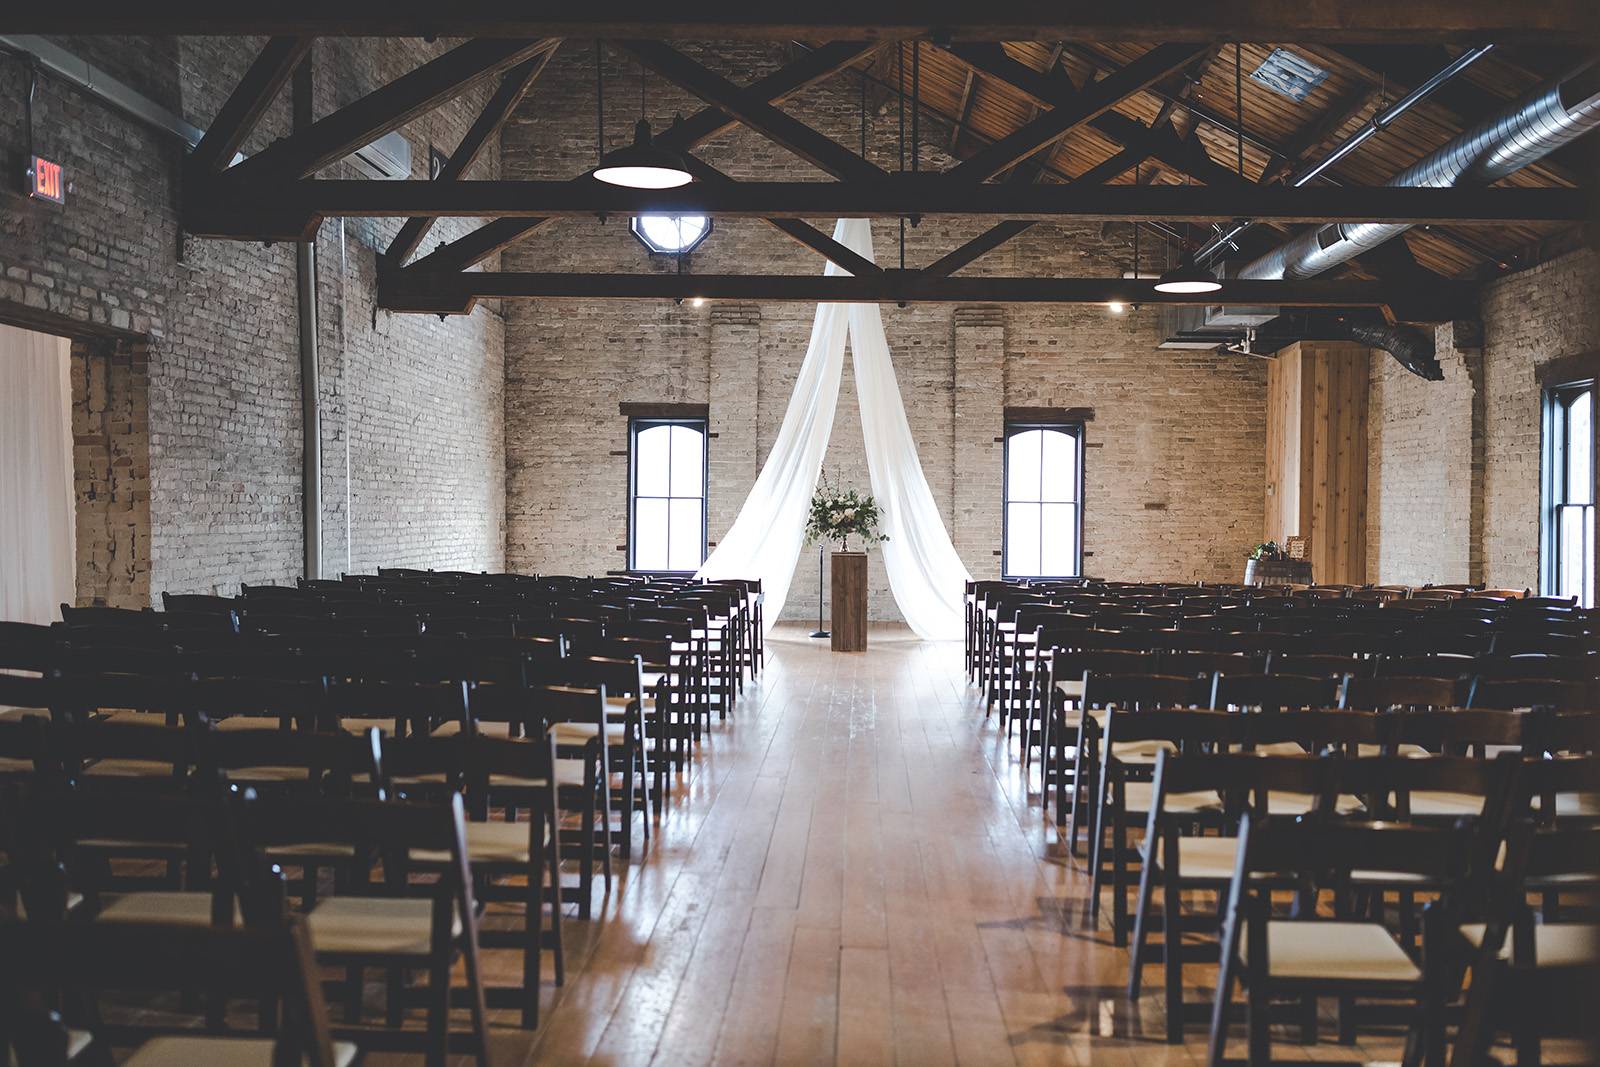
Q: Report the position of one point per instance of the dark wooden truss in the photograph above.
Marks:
(275, 196)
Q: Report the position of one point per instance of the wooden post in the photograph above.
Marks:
(849, 602)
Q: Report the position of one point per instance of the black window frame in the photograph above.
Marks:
(1555, 493)
(635, 221)
(636, 425)
(1013, 427)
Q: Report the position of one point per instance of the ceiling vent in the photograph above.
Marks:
(1236, 316)
(1289, 75)
(387, 159)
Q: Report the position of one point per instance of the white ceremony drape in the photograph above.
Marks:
(925, 574)
(37, 535)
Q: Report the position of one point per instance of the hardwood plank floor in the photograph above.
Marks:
(856, 874)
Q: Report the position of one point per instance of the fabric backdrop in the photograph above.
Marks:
(764, 542)
(38, 541)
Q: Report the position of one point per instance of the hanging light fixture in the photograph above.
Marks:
(643, 164)
(1186, 277)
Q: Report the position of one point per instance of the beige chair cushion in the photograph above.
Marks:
(380, 926)
(162, 906)
(269, 774)
(487, 842)
(11, 714)
(1072, 688)
(1141, 753)
(1208, 859)
(1345, 951)
(178, 1051)
(16, 766)
(576, 733)
(361, 726)
(128, 768)
(1554, 944)
(138, 718)
(1282, 802)
(1138, 796)
(1439, 804)
(248, 722)
(319, 849)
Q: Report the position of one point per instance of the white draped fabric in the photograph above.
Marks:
(764, 542)
(37, 533)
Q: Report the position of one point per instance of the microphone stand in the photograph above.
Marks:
(820, 632)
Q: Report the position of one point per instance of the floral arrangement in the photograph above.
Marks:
(838, 515)
(1268, 550)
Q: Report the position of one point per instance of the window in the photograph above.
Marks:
(1043, 522)
(666, 494)
(1569, 554)
(670, 235)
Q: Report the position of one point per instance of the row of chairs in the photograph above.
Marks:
(137, 707)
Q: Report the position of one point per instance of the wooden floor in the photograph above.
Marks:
(855, 875)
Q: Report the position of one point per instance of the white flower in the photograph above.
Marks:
(849, 513)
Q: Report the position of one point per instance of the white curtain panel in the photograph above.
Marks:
(37, 519)
(765, 540)
(925, 574)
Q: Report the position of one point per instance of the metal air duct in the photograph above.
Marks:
(1519, 134)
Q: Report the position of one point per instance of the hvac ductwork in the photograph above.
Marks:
(1521, 133)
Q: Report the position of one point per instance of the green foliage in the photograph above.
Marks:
(838, 515)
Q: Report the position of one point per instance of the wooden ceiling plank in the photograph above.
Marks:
(1091, 102)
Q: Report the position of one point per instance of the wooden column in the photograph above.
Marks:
(1317, 455)
(849, 602)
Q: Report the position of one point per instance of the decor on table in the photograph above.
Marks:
(840, 514)
(925, 574)
(1270, 563)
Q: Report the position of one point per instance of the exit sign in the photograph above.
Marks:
(46, 181)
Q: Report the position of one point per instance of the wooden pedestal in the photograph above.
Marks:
(849, 601)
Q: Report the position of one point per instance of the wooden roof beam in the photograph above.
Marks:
(447, 293)
(512, 88)
(819, 150)
(1549, 22)
(817, 65)
(249, 100)
(415, 93)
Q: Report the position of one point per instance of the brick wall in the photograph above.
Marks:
(1454, 465)
(1176, 450)
(111, 468)
(413, 407)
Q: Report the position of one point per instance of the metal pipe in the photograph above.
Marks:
(305, 263)
(1379, 122)
(96, 82)
(1520, 133)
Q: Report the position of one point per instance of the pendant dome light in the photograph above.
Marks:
(642, 164)
(1186, 277)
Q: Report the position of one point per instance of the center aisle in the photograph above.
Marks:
(853, 874)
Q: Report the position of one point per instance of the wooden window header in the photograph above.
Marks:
(1585, 366)
(1021, 414)
(666, 411)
